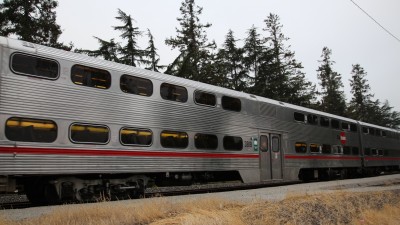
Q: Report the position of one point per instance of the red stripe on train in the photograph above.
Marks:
(108, 152)
(322, 157)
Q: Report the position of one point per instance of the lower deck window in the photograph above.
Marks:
(232, 143)
(337, 149)
(89, 134)
(30, 130)
(355, 151)
(315, 148)
(206, 141)
(326, 149)
(134, 136)
(174, 139)
(300, 147)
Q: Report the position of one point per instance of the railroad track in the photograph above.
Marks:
(182, 190)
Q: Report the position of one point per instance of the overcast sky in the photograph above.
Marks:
(310, 25)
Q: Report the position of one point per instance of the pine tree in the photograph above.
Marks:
(282, 73)
(234, 69)
(333, 100)
(108, 50)
(32, 21)
(131, 54)
(151, 53)
(361, 100)
(191, 41)
(253, 50)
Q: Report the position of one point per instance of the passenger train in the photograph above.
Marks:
(75, 127)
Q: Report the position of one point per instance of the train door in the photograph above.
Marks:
(270, 156)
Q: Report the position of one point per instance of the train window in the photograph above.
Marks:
(367, 151)
(135, 85)
(378, 132)
(374, 151)
(386, 152)
(346, 150)
(337, 149)
(300, 147)
(384, 133)
(380, 152)
(206, 141)
(174, 139)
(299, 117)
(335, 124)
(30, 130)
(365, 130)
(371, 131)
(135, 136)
(312, 119)
(353, 127)
(326, 149)
(263, 143)
(90, 77)
(89, 133)
(34, 66)
(314, 148)
(173, 92)
(233, 143)
(324, 122)
(203, 98)
(355, 151)
(229, 103)
(345, 126)
(275, 144)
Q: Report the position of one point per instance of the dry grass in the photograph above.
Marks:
(336, 208)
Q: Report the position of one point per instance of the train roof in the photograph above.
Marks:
(104, 64)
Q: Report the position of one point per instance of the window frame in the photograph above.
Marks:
(90, 67)
(178, 132)
(163, 97)
(324, 121)
(301, 144)
(296, 116)
(89, 124)
(211, 149)
(205, 92)
(136, 77)
(318, 146)
(32, 119)
(32, 75)
(230, 149)
(229, 109)
(138, 129)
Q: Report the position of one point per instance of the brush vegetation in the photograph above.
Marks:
(333, 208)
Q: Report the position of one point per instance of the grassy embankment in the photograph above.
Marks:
(335, 208)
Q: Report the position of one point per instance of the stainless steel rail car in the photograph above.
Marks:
(76, 127)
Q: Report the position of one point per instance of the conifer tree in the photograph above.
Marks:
(282, 73)
(191, 41)
(151, 53)
(232, 58)
(361, 99)
(253, 50)
(33, 21)
(108, 50)
(333, 99)
(131, 54)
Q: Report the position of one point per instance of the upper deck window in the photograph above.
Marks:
(233, 104)
(324, 122)
(34, 66)
(335, 123)
(91, 77)
(312, 119)
(204, 98)
(299, 117)
(136, 85)
(173, 92)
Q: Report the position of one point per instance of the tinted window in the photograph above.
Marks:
(30, 130)
(174, 139)
(233, 104)
(299, 117)
(324, 122)
(90, 77)
(353, 127)
(204, 98)
(173, 92)
(314, 148)
(355, 151)
(206, 141)
(136, 85)
(264, 143)
(384, 133)
(367, 151)
(34, 66)
(365, 130)
(300, 147)
(89, 134)
(337, 149)
(335, 124)
(233, 143)
(134, 136)
(378, 132)
(371, 131)
(326, 149)
(347, 150)
(380, 152)
(374, 151)
(345, 126)
(312, 119)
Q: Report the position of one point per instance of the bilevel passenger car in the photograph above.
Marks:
(79, 128)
